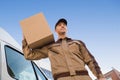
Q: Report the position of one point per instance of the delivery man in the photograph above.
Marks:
(68, 57)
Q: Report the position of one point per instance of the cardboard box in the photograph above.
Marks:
(36, 31)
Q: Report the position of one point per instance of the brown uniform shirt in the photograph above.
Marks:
(66, 55)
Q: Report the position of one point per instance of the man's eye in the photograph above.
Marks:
(59, 24)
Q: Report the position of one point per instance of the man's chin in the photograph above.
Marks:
(63, 33)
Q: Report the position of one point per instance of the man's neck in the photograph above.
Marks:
(62, 36)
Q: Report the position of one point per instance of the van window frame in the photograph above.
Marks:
(43, 74)
(23, 56)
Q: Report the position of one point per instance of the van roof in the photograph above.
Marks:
(6, 37)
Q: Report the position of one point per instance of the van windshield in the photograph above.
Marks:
(18, 67)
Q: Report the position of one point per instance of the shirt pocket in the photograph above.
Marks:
(73, 47)
(75, 50)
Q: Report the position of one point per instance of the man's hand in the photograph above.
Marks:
(102, 79)
(24, 42)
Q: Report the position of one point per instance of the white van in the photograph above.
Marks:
(13, 65)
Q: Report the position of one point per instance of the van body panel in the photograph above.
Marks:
(6, 37)
(0, 61)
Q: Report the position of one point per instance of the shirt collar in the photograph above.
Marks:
(59, 40)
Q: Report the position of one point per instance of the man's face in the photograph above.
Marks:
(61, 28)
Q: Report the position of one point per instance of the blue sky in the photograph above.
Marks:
(95, 22)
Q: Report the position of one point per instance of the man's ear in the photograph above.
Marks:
(55, 31)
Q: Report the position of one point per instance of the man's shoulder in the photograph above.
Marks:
(77, 41)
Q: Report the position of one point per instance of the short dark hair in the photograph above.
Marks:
(61, 20)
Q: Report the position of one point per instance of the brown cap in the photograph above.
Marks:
(61, 20)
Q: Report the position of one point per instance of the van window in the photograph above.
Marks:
(39, 73)
(48, 73)
(18, 67)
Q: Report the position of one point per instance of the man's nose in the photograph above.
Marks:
(62, 26)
